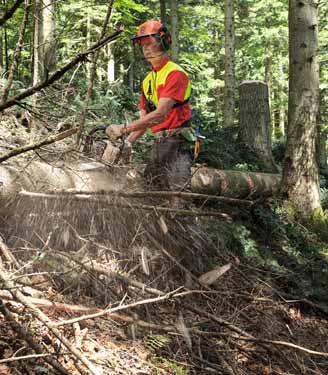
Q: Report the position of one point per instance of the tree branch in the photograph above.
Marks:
(59, 73)
(47, 141)
(10, 12)
(5, 279)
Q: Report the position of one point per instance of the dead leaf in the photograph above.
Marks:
(210, 277)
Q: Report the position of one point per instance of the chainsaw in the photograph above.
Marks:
(97, 145)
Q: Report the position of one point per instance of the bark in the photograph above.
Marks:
(95, 177)
(322, 138)
(37, 56)
(255, 124)
(162, 4)
(48, 52)
(1, 51)
(110, 65)
(174, 31)
(300, 173)
(235, 184)
(229, 64)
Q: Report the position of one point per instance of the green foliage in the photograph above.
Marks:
(223, 150)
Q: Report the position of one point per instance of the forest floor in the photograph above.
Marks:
(124, 292)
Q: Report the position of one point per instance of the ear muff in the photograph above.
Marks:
(165, 37)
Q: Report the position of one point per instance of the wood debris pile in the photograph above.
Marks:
(146, 294)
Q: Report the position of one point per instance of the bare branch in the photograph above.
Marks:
(47, 141)
(10, 12)
(59, 73)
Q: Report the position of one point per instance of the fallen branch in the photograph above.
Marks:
(28, 337)
(167, 296)
(92, 266)
(86, 195)
(45, 320)
(285, 344)
(59, 73)
(31, 356)
(7, 254)
(63, 307)
(10, 12)
(47, 141)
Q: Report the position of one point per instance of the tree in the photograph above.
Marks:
(175, 30)
(229, 65)
(300, 174)
(162, 4)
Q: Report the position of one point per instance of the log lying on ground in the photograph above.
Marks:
(96, 177)
(235, 184)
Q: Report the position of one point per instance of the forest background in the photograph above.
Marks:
(38, 38)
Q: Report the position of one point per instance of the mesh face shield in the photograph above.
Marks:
(140, 41)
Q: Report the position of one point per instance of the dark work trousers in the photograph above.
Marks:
(169, 167)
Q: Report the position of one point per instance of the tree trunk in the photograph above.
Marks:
(1, 51)
(255, 126)
(229, 63)
(162, 4)
(110, 65)
(96, 177)
(48, 62)
(322, 138)
(174, 31)
(300, 173)
(37, 55)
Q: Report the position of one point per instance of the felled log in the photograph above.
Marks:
(235, 184)
(96, 177)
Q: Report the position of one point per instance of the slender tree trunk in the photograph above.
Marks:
(49, 37)
(88, 65)
(229, 77)
(37, 55)
(110, 65)
(322, 138)
(1, 52)
(175, 30)
(162, 4)
(300, 174)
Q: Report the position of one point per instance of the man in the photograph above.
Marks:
(164, 108)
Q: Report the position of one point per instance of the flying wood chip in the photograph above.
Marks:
(210, 277)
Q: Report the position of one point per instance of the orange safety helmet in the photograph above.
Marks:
(153, 29)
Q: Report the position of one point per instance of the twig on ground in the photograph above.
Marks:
(167, 296)
(5, 279)
(28, 337)
(142, 194)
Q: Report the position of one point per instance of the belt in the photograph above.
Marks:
(167, 133)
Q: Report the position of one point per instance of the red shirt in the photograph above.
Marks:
(174, 88)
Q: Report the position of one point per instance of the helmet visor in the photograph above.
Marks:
(143, 40)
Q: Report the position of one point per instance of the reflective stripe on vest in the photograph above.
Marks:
(155, 79)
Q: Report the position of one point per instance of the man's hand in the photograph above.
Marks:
(115, 131)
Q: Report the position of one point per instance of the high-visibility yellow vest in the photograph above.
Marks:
(155, 79)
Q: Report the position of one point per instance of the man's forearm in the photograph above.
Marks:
(145, 122)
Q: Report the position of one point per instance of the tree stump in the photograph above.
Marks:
(255, 121)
